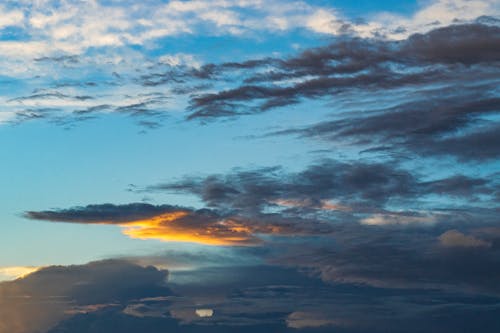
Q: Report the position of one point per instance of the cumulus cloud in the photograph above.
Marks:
(257, 298)
(75, 26)
(37, 301)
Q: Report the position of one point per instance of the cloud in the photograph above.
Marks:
(326, 186)
(356, 183)
(259, 298)
(40, 300)
(174, 224)
(402, 257)
(442, 122)
(244, 207)
(454, 238)
(68, 35)
(15, 272)
(76, 26)
(350, 64)
(397, 219)
(300, 320)
(10, 17)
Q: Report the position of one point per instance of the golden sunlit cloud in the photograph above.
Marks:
(174, 224)
(189, 227)
(180, 227)
(16, 272)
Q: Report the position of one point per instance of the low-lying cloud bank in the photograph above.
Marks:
(119, 296)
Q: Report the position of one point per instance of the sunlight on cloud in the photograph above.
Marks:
(204, 313)
(169, 227)
(16, 272)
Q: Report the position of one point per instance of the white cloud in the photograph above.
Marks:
(432, 15)
(180, 59)
(324, 21)
(10, 17)
(74, 26)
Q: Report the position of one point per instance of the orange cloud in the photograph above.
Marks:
(173, 223)
(181, 226)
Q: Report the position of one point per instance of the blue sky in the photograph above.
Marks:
(297, 135)
(61, 161)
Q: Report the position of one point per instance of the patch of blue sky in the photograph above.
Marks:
(215, 49)
(363, 8)
(12, 33)
(64, 165)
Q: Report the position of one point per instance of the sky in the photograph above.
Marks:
(249, 165)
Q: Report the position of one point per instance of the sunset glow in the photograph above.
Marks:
(247, 166)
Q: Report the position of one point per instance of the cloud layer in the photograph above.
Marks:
(245, 299)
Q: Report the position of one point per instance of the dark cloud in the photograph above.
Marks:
(243, 204)
(51, 95)
(243, 299)
(104, 213)
(459, 185)
(348, 64)
(452, 73)
(441, 122)
(466, 146)
(357, 182)
(265, 298)
(328, 185)
(465, 44)
(355, 222)
(40, 300)
(173, 223)
(65, 60)
(450, 252)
